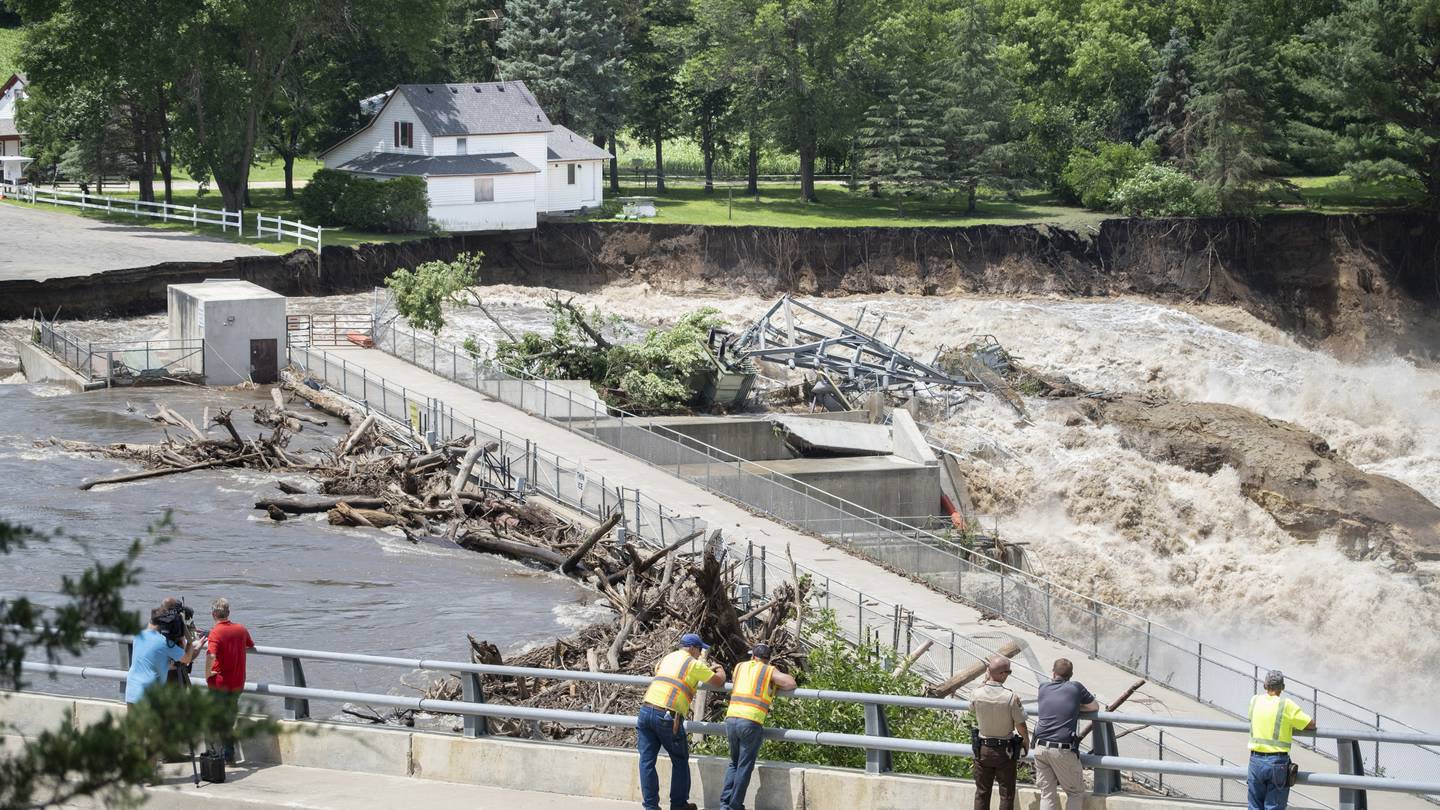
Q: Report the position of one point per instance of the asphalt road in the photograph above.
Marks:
(39, 244)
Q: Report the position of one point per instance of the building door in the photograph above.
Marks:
(264, 361)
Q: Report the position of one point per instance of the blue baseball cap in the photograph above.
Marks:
(693, 640)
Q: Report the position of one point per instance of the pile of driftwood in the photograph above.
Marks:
(464, 493)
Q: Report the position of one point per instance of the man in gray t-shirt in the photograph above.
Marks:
(1057, 750)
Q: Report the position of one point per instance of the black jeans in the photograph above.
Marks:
(226, 743)
(994, 765)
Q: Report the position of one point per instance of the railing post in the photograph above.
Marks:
(1351, 763)
(126, 648)
(295, 708)
(877, 760)
(474, 692)
(1102, 741)
(1199, 667)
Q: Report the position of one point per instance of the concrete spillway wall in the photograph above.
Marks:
(571, 770)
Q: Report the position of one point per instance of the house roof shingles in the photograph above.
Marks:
(564, 144)
(484, 108)
(393, 164)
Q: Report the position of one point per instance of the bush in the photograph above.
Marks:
(1092, 176)
(319, 196)
(1163, 191)
(337, 198)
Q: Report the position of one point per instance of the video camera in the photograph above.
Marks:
(177, 624)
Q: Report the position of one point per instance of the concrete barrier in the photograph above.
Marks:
(559, 768)
(39, 367)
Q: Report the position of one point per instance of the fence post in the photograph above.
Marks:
(126, 648)
(1199, 667)
(474, 692)
(877, 760)
(1352, 763)
(1102, 740)
(295, 708)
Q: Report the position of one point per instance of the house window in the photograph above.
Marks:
(484, 189)
(570, 175)
(460, 146)
(404, 135)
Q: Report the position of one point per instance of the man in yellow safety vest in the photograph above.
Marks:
(756, 682)
(662, 719)
(1274, 719)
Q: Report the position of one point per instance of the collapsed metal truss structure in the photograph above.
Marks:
(852, 358)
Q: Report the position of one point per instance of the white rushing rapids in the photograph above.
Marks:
(1183, 547)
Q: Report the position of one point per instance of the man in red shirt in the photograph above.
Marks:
(225, 666)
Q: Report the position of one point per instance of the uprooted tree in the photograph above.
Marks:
(662, 372)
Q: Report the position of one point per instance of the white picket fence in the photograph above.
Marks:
(285, 229)
(166, 212)
(280, 228)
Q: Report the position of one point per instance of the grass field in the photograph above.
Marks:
(1338, 194)
(272, 170)
(779, 205)
(9, 52)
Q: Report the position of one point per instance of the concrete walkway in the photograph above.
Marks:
(287, 786)
(937, 610)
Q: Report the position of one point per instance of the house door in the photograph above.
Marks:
(264, 361)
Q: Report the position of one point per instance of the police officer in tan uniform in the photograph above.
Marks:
(1000, 739)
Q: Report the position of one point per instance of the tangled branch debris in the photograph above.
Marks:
(464, 494)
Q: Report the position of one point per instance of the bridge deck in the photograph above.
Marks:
(1106, 681)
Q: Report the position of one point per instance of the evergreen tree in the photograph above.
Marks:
(977, 121)
(569, 53)
(900, 148)
(1233, 113)
(1169, 104)
(1379, 74)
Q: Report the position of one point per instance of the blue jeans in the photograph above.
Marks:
(656, 731)
(744, 737)
(1266, 785)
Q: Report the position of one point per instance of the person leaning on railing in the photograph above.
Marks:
(1274, 719)
(756, 682)
(1057, 748)
(662, 719)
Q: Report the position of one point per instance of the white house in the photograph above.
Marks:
(489, 155)
(12, 163)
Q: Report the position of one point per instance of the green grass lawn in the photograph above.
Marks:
(270, 201)
(779, 205)
(272, 170)
(9, 52)
(1338, 194)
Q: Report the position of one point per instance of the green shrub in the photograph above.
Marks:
(319, 197)
(1163, 191)
(337, 198)
(1092, 176)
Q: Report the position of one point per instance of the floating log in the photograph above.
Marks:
(346, 515)
(319, 503)
(600, 531)
(490, 544)
(140, 476)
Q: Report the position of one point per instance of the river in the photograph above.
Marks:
(298, 583)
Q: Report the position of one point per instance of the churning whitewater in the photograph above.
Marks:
(1179, 546)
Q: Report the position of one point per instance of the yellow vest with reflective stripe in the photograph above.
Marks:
(753, 691)
(1269, 733)
(670, 690)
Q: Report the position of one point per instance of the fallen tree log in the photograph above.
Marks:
(1115, 704)
(320, 400)
(319, 503)
(477, 541)
(1009, 649)
(600, 531)
(346, 515)
(140, 476)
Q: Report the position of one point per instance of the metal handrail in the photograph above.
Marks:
(1140, 623)
(865, 741)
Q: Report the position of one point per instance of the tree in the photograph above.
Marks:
(239, 51)
(1380, 74)
(900, 147)
(422, 293)
(468, 41)
(112, 757)
(732, 54)
(655, 58)
(981, 144)
(1233, 112)
(1171, 123)
(569, 53)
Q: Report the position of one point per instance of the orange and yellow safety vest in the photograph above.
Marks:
(753, 692)
(676, 677)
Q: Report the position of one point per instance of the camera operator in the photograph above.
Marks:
(225, 667)
(154, 651)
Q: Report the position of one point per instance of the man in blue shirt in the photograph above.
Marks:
(1057, 748)
(150, 659)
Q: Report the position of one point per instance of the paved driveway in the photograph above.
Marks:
(39, 244)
